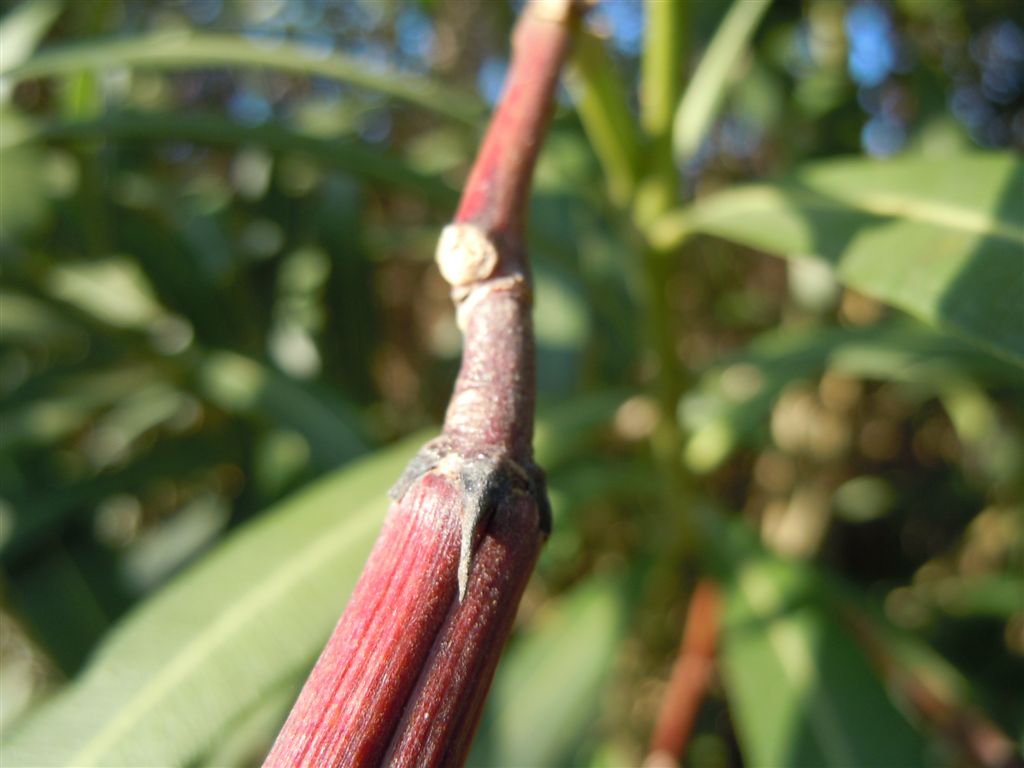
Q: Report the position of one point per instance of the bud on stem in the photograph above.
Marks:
(403, 678)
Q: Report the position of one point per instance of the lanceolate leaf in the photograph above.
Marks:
(800, 689)
(604, 111)
(21, 30)
(193, 50)
(349, 155)
(704, 95)
(732, 402)
(941, 239)
(201, 653)
(249, 739)
(182, 673)
(243, 385)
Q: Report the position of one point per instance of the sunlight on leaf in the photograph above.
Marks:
(603, 107)
(248, 618)
(195, 657)
(732, 402)
(942, 240)
(21, 30)
(801, 690)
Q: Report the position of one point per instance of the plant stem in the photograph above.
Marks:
(664, 60)
(403, 678)
(665, 45)
(663, 64)
(691, 674)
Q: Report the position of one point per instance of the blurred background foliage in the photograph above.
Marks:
(217, 219)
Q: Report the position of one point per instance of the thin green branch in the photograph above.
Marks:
(663, 66)
(664, 61)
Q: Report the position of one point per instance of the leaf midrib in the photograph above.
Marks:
(281, 580)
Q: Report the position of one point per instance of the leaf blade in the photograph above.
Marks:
(348, 155)
(943, 242)
(160, 697)
(194, 50)
(604, 112)
(718, 419)
(706, 91)
(801, 690)
(303, 534)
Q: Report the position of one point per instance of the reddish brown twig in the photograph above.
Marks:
(691, 675)
(980, 741)
(403, 678)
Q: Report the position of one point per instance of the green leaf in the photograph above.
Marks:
(567, 429)
(546, 691)
(943, 240)
(604, 111)
(72, 402)
(346, 154)
(732, 402)
(21, 30)
(666, 38)
(114, 290)
(183, 50)
(67, 596)
(703, 97)
(29, 322)
(196, 660)
(207, 649)
(40, 516)
(801, 690)
(24, 205)
(240, 384)
(995, 595)
(249, 739)
(915, 671)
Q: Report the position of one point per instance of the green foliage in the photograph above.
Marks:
(956, 225)
(781, 635)
(703, 97)
(351, 156)
(168, 682)
(603, 108)
(191, 50)
(732, 404)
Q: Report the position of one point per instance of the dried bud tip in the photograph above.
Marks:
(559, 11)
(465, 254)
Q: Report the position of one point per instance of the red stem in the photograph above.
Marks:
(496, 191)
(691, 675)
(403, 678)
(493, 403)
